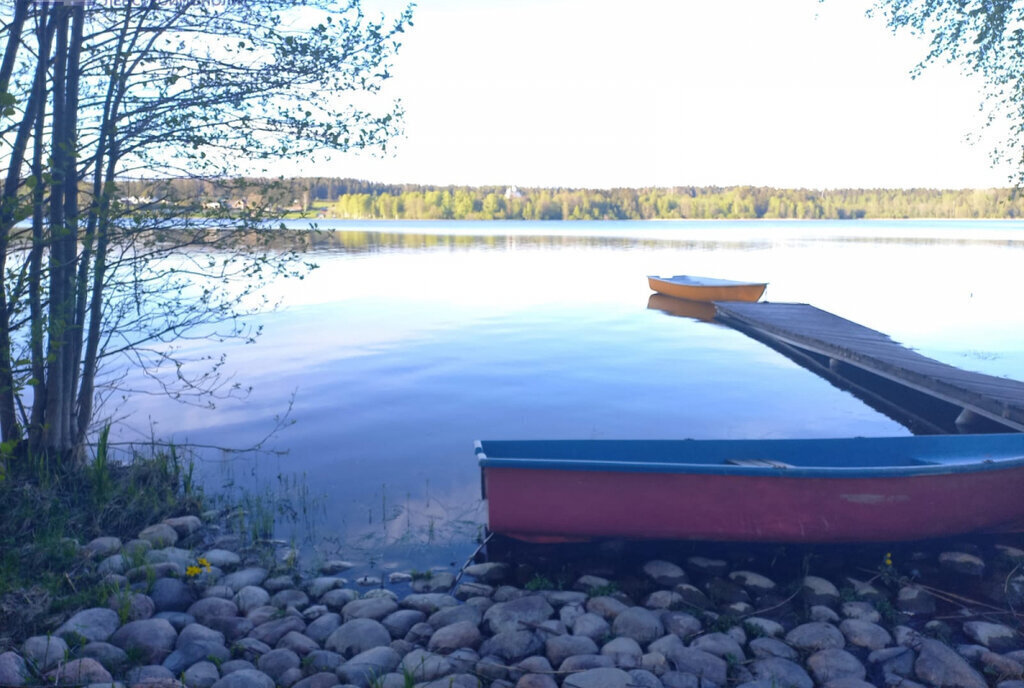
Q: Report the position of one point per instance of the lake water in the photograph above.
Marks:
(413, 339)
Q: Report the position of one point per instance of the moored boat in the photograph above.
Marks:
(814, 490)
(695, 288)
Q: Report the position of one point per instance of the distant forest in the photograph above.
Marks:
(358, 199)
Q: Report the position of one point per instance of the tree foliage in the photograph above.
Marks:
(985, 37)
(92, 93)
(360, 199)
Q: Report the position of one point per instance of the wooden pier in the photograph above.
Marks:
(887, 375)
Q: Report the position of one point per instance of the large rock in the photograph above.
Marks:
(606, 607)
(245, 678)
(638, 623)
(80, 672)
(815, 636)
(780, 673)
(364, 667)
(523, 613)
(357, 636)
(272, 631)
(112, 658)
(171, 595)
(372, 608)
(962, 564)
(489, 572)
(250, 597)
(663, 599)
(188, 653)
(557, 648)
(239, 579)
(681, 624)
(449, 615)
(454, 636)
(150, 676)
(577, 663)
(290, 597)
(536, 681)
(512, 645)
(325, 660)
(700, 663)
(13, 670)
(939, 665)
(438, 581)
(201, 675)
(222, 559)
(914, 600)
(151, 639)
(591, 626)
(996, 637)
(159, 535)
(425, 666)
(276, 662)
(830, 665)
(321, 628)
(665, 573)
(95, 625)
(428, 602)
(753, 582)
(184, 525)
(233, 627)
(299, 643)
(865, 634)
(865, 611)
(209, 608)
(763, 648)
(818, 590)
(44, 651)
(323, 679)
(764, 627)
(720, 645)
(598, 678)
(626, 652)
(337, 598)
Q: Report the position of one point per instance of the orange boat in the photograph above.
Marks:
(706, 288)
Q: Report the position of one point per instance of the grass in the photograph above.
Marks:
(50, 508)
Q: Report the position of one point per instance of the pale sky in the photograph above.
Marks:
(598, 93)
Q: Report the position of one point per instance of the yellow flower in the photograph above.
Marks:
(192, 571)
(204, 563)
(888, 558)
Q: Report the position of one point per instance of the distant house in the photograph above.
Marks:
(213, 205)
(136, 200)
(512, 192)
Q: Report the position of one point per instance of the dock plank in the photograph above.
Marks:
(812, 329)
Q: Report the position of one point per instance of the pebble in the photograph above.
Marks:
(699, 622)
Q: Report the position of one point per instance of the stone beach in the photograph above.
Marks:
(190, 606)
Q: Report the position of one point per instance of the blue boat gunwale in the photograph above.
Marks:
(919, 456)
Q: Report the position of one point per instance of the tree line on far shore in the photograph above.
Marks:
(359, 199)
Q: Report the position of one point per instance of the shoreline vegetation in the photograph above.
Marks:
(164, 597)
(342, 198)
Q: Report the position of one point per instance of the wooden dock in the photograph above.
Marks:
(853, 355)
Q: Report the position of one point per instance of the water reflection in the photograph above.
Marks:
(405, 346)
(683, 308)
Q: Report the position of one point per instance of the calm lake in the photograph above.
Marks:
(413, 339)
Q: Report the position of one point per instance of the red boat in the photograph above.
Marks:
(816, 490)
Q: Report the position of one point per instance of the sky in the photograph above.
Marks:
(597, 93)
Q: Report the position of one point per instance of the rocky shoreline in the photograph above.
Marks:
(188, 605)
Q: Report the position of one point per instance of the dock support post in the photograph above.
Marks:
(966, 420)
